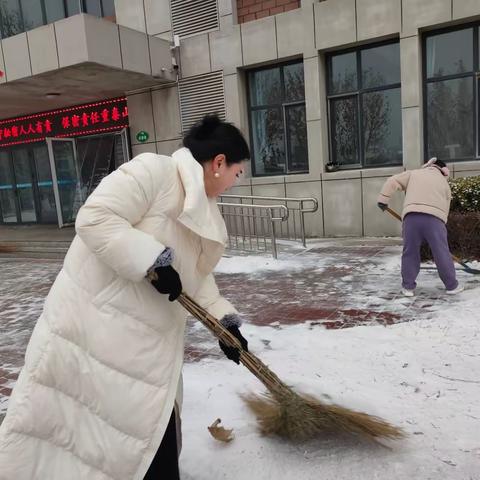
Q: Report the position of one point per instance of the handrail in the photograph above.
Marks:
(270, 209)
(314, 201)
(251, 205)
(292, 225)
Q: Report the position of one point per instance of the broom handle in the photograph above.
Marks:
(398, 217)
(393, 213)
(249, 360)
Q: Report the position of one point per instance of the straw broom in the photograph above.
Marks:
(284, 412)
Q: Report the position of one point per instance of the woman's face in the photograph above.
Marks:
(219, 176)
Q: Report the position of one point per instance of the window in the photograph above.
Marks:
(17, 16)
(450, 70)
(365, 106)
(73, 7)
(108, 8)
(11, 20)
(93, 7)
(32, 13)
(277, 120)
(54, 10)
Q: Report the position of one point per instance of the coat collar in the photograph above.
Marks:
(200, 213)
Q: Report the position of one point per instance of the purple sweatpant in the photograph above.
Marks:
(419, 227)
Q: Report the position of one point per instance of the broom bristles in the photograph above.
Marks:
(284, 412)
(299, 418)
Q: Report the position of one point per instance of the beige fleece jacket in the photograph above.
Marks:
(426, 191)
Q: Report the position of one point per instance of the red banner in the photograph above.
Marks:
(104, 116)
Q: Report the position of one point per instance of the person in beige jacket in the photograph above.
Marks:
(95, 399)
(425, 214)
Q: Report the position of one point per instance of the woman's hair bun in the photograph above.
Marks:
(206, 127)
(212, 136)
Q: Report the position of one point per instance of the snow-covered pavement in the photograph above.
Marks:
(414, 362)
(423, 375)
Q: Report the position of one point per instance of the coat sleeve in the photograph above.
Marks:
(106, 222)
(392, 185)
(208, 296)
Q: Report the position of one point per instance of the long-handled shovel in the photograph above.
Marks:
(284, 412)
(465, 266)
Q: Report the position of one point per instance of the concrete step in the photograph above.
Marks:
(34, 255)
(33, 249)
(27, 244)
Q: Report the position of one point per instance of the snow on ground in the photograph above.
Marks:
(263, 264)
(354, 341)
(423, 375)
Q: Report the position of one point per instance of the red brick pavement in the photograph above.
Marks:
(348, 287)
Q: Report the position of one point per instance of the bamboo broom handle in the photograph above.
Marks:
(393, 213)
(249, 360)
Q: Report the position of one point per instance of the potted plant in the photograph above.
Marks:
(331, 167)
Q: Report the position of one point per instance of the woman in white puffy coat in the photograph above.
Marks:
(95, 399)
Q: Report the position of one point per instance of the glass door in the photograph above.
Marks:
(125, 154)
(99, 155)
(67, 188)
(8, 202)
(46, 206)
(24, 181)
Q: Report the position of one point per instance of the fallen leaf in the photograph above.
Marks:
(219, 433)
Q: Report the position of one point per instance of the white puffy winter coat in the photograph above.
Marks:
(104, 361)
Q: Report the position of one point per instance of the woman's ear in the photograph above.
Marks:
(218, 161)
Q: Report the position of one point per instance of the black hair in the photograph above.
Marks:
(211, 137)
(440, 163)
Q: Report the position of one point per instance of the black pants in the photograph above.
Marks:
(165, 463)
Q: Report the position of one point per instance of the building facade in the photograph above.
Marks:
(65, 67)
(334, 95)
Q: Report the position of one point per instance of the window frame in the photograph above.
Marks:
(474, 75)
(282, 108)
(83, 9)
(358, 94)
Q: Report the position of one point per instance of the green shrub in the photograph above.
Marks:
(463, 236)
(463, 224)
(465, 194)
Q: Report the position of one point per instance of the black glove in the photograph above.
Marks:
(382, 206)
(233, 353)
(168, 281)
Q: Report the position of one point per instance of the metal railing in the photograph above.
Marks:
(252, 227)
(257, 226)
(294, 227)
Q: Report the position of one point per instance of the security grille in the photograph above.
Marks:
(200, 95)
(190, 17)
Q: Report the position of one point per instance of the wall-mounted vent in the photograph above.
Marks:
(200, 95)
(190, 17)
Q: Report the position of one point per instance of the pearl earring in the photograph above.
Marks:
(217, 175)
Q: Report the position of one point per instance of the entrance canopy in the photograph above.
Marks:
(77, 60)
